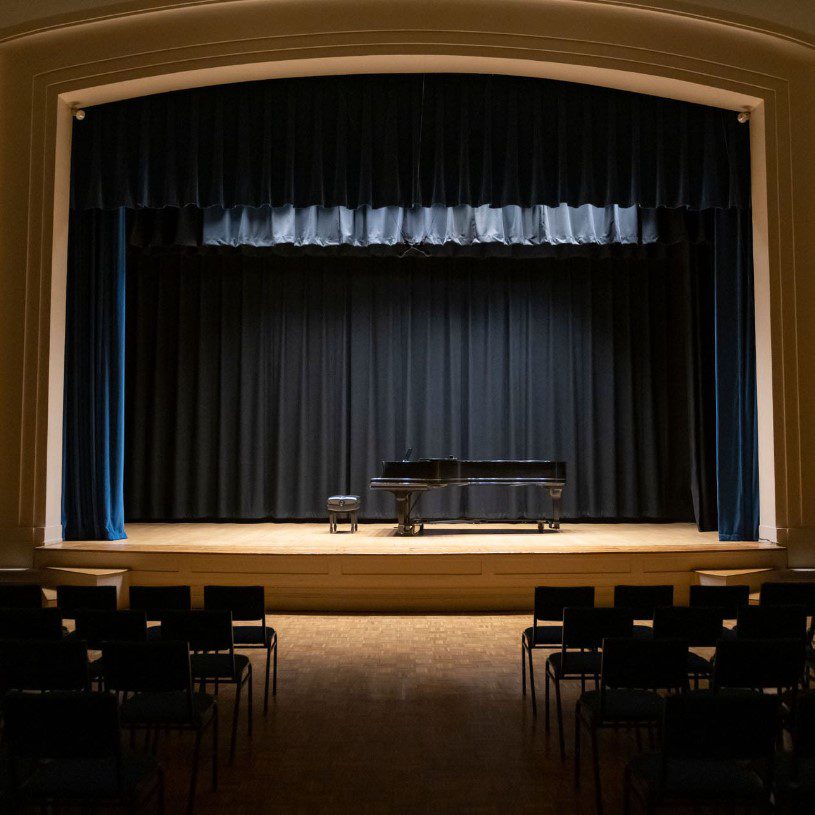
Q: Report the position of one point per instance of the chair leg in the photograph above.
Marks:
(595, 757)
(194, 772)
(523, 668)
(235, 712)
(249, 703)
(274, 668)
(559, 706)
(215, 748)
(266, 685)
(577, 723)
(546, 701)
(532, 683)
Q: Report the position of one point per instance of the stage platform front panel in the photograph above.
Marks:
(451, 567)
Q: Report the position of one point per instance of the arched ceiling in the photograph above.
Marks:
(791, 17)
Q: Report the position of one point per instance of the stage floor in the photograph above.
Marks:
(438, 539)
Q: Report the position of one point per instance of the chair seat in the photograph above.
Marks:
(729, 633)
(252, 635)
(544, 636)
(219, 666)
(90, 779)
(700, 780)
(621, 705)
(697, 664)
(644, 632)
(153, 633)
(166, 708)
(576, 663)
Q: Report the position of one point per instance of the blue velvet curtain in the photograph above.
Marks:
(736, 409)
(94, 401)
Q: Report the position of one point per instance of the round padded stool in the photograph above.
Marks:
(342, 507)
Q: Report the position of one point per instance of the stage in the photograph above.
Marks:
(452, 567)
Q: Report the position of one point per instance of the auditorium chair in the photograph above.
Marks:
(699, 627)
(579, 657)
(753, 664)
(97, 627)
(156, 600)
(213, 661)
(716, 750)
(39, 665)
(155, 680)
(247, 605)
(797, 593)
(20, 595)
(31, 624)
(794, 777)
(633, 671)
(65, 750)
(642, 601)
(771, 622)
(548, 607)
(728, 598)
(71, 599)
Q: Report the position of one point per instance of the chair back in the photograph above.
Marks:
(204, 630)
(759, 664)
(246, 603)
(728, 598)
(638, 663)
(771, 622)
(588, 627)
(96, 627)
(162, 666)
(20, 595)
(737, 727)
(30, 624)
(699, 627)
(798, 593)
(42, 666)
(71, 599)
(55, 726)
(643, 600)
(154, 601)
(551, 600)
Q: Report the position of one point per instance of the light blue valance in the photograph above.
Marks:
(434, 225)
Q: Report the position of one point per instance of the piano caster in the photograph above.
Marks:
(409, 530)
(553, 526)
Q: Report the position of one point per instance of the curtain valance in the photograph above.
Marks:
(408, 140)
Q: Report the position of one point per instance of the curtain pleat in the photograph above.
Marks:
(408, 140)
(257, 386)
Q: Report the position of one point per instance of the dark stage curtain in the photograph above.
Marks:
(258, 385)
(408, 140)
(93, 437)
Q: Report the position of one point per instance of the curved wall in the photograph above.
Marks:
(43, 74)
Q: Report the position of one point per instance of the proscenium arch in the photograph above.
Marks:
(56, 92)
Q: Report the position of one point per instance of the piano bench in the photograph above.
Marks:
(341, 507)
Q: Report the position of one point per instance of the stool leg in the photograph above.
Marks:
(354, 521)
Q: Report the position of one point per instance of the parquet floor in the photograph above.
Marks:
(397, 714)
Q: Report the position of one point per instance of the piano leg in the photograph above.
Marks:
(555, 492)
(405, 526)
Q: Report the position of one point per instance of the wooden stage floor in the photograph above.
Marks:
(452, 567)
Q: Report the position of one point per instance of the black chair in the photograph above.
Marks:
(97, 627)
(71, 599)
(20, 595)
(213, 661)
(65, 749)
(716, 750)
(247, 604)
(30, 624)
(766, 664)
(642, 601)
(549, 604)
(579, 657)
(155, 681)
(44, 666)
(771, 622)
(728, 598)
(795, 770)
(633, 670)
(155, 601)
(798, 593)
(699, 627)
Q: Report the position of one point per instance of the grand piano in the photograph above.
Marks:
(408, 480)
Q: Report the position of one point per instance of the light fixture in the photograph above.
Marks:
(744, 117)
